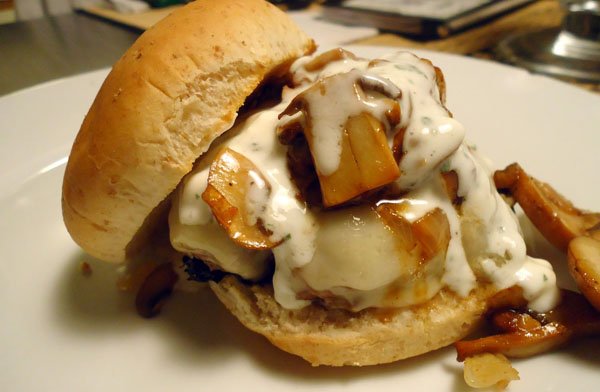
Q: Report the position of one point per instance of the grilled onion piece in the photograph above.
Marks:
(424, 238)
(366, 162)
(232, 178)
(489, 370)
(523, 333)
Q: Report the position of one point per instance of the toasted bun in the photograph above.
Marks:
(339, 338)
(171, 94)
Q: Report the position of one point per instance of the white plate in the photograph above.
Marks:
(60, 331)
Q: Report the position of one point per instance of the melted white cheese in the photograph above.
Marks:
(208, 241)
(363, 245)
(356, 262)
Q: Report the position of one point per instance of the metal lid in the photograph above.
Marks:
(573, 51)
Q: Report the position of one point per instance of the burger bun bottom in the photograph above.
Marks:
(336, 337)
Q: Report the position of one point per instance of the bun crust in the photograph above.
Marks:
(340, 338)
(165, 101)
(171, 94)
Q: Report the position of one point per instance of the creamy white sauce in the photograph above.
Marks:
(458, 274)
(314, 257)
(193, 210)
(431, 134)
(281, 213)
(257, 197)
(502, 232)
(330, 112)
(284, 214)
(538, 281)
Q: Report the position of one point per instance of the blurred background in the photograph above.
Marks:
(560, 38)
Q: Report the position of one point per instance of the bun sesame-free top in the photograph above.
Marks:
(172, 93)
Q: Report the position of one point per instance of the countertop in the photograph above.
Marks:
(44, 49)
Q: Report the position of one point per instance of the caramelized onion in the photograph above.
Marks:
(392, 215)
(450, 179)
(366, 162)
(524, 333)
(489, 370)
(425, 238)
(432, 231)
(230, 179)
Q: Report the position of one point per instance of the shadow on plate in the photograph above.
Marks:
(194, 329)
(91, 304)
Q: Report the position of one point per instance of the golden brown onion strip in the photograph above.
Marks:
(424, 238)
(525, 333)
(230, 179)
(366, 161)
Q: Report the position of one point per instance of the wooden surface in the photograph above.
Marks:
(536, 16)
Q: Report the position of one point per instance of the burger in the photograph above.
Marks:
(331, 202)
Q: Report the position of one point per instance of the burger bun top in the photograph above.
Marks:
(177, 88)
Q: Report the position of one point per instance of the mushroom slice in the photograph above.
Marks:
(318, 63)
(526, 337)
(440, 81)
(236, 192)
(508, 298)
(344, 119)
(524, 333)
(157, 286)
(554, 216)
(584, 265)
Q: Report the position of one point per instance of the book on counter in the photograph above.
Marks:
(421, 18)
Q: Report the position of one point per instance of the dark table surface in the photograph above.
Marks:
(39, 50)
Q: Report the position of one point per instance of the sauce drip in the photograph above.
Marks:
(432, 142)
